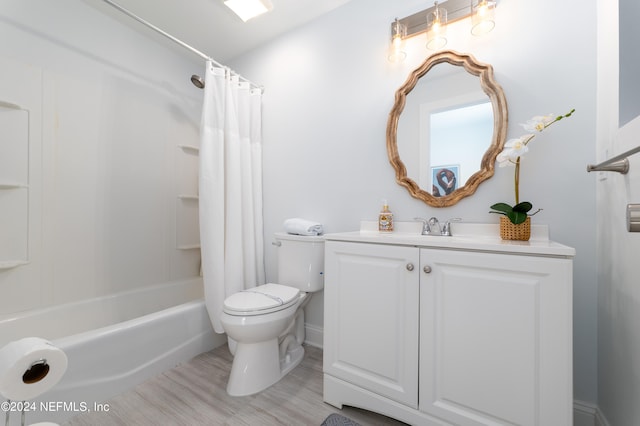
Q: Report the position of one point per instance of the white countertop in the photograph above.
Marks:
(465, 236)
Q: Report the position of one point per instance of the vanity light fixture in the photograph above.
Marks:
(396, 48)
(482, 16)
(434, 20)
(247, 9)
(437, 28)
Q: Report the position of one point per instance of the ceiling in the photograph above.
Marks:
(210, 27)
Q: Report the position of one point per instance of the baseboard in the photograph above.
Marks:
(313, 335)
(587, 414)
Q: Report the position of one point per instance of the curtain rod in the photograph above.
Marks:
(177, 41)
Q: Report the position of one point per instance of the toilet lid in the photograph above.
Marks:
(261, 298)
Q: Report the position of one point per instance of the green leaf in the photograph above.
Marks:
(502, 207)
(523, 207)
(517, 217)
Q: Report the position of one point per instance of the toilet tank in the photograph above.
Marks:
(301, 261)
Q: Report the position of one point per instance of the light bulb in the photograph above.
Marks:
(483, 17)
(482, 9)
(397, 42)
(437, 28)
(396, 48)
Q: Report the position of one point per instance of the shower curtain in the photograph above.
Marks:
(230, 189)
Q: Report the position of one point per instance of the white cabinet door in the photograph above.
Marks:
(495, 338)
(371, 318)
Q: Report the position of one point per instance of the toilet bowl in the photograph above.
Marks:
(259, 361)
(266, 323)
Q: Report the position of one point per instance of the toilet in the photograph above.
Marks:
(265, 324)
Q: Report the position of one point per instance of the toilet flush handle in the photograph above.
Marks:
(276, 243)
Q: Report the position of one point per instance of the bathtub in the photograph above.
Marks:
(114, 342)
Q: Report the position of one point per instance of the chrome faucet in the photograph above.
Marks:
(432, 226)
(427, 225)
(433, 222)
(446, 230)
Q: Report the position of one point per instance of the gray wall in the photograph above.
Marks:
(329, 89)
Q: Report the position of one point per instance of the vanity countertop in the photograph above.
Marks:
(465, 236)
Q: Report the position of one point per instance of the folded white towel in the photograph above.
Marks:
(302, 227)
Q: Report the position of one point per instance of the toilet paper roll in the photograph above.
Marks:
(29, 367)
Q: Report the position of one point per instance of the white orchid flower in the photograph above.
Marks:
(539, 123)
(513, 149)
(510, 155)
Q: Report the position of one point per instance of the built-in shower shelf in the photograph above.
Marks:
(10, 264)
(189, 148)
(187, 200)
(6, 185)
(189, 247)
(15, 194)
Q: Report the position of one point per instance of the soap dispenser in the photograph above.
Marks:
(385, 218)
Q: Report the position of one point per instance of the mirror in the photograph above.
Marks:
(443, 139)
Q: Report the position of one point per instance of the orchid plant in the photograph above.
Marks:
(510, 155)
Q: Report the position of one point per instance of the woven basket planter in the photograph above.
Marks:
(510, 231)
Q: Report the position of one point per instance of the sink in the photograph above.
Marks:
(465, 236)
(464, 231)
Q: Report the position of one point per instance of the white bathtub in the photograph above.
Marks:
(115, 342)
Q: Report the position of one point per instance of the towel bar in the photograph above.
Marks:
(619, 163)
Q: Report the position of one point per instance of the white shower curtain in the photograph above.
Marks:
(230, 189)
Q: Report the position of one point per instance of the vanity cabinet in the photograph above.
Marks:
(449, 336)
(371, 318)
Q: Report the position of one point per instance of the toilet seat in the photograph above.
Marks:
(261, 300)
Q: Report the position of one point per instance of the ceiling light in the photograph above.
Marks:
(247, 9)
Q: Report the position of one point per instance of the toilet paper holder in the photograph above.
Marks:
(37, 371)
(29, 367)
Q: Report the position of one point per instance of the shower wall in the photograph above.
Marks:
(109, 158)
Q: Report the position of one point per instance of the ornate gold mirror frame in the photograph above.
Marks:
(499, 105)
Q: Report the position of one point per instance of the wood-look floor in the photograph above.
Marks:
(194, 393)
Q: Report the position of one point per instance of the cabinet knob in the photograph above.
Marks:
(427, 269)
(409, 266)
